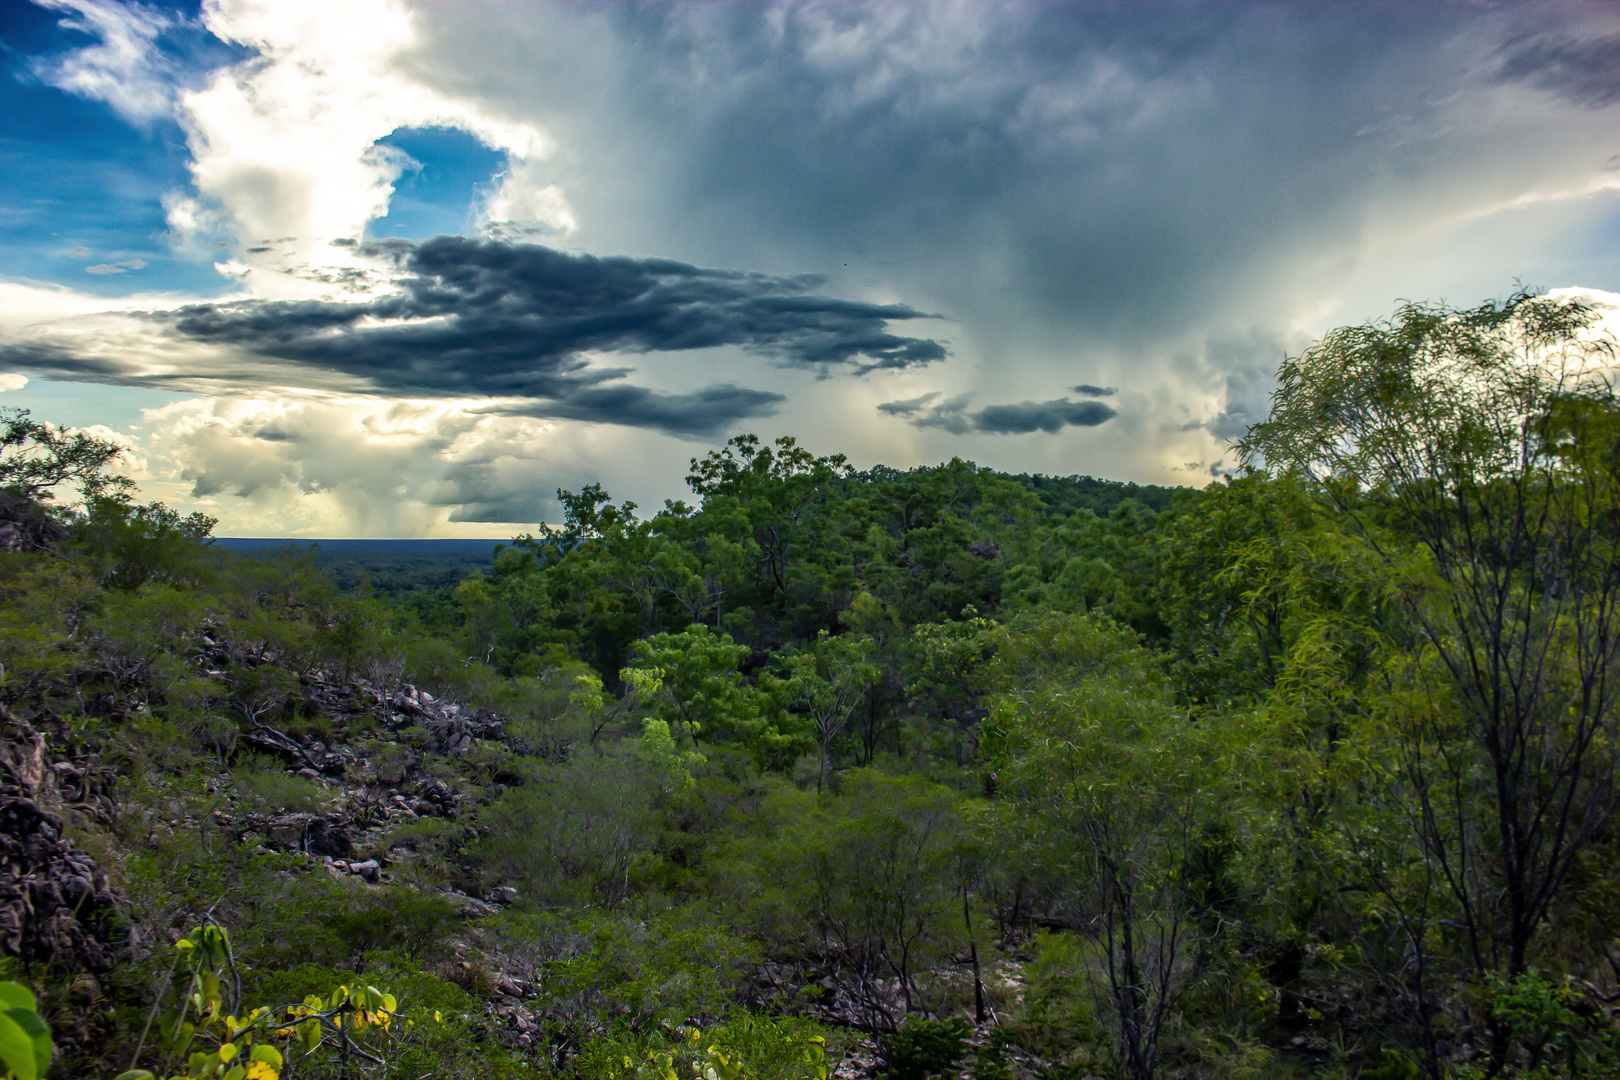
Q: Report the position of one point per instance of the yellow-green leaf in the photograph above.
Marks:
(17, 1049)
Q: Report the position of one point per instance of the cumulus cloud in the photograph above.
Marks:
(11, 380)
(334, 466)
(1024, 418)
(488, 319)
(1087, 191)
(285, 153)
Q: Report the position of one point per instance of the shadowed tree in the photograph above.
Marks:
(1476, 454)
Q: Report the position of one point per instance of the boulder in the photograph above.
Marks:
(55, 905)
(323, 838)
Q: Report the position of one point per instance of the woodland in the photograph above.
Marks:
(938, 772)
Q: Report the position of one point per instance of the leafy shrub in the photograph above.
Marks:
(1059, 1014)
(263, 784)
(746, 1047)
(924, 1048)
(598, 970)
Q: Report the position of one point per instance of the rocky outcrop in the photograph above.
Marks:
(25, 525)
(55, 906)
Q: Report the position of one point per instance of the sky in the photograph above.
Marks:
(333, 268)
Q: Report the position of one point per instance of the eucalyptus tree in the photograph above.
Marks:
(1475, 454)
(1112, 784)
(830, 680)
(36, 458)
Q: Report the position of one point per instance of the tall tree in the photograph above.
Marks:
(1476, 453)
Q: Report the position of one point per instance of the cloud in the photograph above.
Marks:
(1583, 72)
(116, 268)
(1047, 416)
(1024, 418)
(489, 319)
(1158, 205)
(353, 466)
(284, 145)
(10, 380)
(338, 466)
(124, 69)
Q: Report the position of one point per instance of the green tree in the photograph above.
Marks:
(875, 874)
(831, 679)
(1476, 455)
(1089, 747)
(777, 487)
(36, 458)
(693, 680)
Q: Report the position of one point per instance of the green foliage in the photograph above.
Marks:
(923, 1049)
(1059, 1018)
(25, 1038)
(262, 783)
(1309, 772)
(871, 878)
(36, 458)
(642, 976)
(747, 1048)
(693, 680)
(202, 1031)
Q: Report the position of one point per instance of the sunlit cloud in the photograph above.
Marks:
(124, 68)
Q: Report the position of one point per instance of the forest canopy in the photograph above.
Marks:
(905, 773)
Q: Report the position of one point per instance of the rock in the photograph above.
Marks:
(471, 908)
(504, 894)
(55, 905)
(25, 524)
(369, 869)
(322, 838)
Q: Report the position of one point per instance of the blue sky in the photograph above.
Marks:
(390, 267)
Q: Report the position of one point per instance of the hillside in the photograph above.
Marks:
(893, 773)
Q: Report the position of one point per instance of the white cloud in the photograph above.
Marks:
(124, 69)
(1085, 207)
(349, 466)
(11, 380)
(285, 160)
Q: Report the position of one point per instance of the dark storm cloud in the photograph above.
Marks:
(484, 318)
(1047, 416)
(1583, 72)
(1127, 172)
(1024, 418)
(506, 318)
(1087, 390)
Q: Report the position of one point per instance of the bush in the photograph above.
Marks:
(744, 1047)
(263, 784)
(924, 1048)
